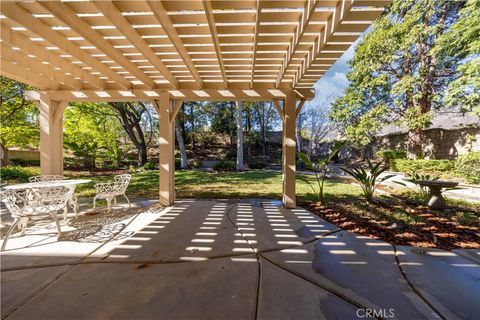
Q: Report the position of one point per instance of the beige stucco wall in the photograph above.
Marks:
(28, 155)
(438, 143)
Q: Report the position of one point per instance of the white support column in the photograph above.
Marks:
(51, 134)
(289, 143)
(166, 149)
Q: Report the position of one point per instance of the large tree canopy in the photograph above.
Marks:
(18, 116)
(396, 77)
(463, 41)
(92, 134)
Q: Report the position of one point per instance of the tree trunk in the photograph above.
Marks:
(248, 125)
(298, 135)
(192, 122)
(239, 137)
(310, 148)
(181, 147)
(264, 133)
(3, 155)
(414, 144)
(142, 156)
(130, 118)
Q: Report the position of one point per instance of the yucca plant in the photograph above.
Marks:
(369, 180)
(321, 169)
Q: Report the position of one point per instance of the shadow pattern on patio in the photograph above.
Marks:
(231, 259)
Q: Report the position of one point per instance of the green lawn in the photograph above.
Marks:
(201, 184)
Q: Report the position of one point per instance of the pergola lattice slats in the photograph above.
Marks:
(36, 66)
(189, 44)
(17, 40)
(109, 10)
(161, 14)
(63, 12)
(16, 13)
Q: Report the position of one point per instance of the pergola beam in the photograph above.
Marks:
(213, 31)
(258, 12)
(179, 94)
(67, 15)
(16, 39)
(110, 11)
(16, 13)
(161, 14)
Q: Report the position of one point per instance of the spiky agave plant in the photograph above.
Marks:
(321, 169)
(369, 180)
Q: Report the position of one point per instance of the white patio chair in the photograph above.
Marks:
(26, 203)
(110, 191)
(73, 201)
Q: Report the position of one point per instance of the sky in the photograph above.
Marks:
(332, 84)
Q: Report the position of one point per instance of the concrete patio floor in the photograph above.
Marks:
(227, 259)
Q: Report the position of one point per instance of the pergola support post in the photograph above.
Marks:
(51, 134)
(166, 152)
(288, 144)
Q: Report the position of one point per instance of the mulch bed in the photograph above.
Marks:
(428, 228)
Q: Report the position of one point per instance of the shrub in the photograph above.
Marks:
(25, 163)
(422, 166)
(387, 155)
(18, 173)
(197, 164)
(468, 165)
(152, 165)
(178, 164)
(257, 165)
(225, 166)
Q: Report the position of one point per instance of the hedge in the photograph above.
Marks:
(465, 166)
(225, 166)
(18, 173)
(426, 166)
(468, 165)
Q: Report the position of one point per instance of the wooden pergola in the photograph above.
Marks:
(168, 52)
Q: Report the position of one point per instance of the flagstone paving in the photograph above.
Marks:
(227, 259)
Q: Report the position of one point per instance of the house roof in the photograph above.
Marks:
(451, 120)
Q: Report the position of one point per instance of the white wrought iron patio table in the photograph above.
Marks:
(71, 184)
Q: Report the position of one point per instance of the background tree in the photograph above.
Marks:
(223, 121)
(396, 77)
(180, 133)
(239, 119)
(92, 134)
(268, 119)
(18, 117)
(135, 118)
(462, 41)
(316, 124)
